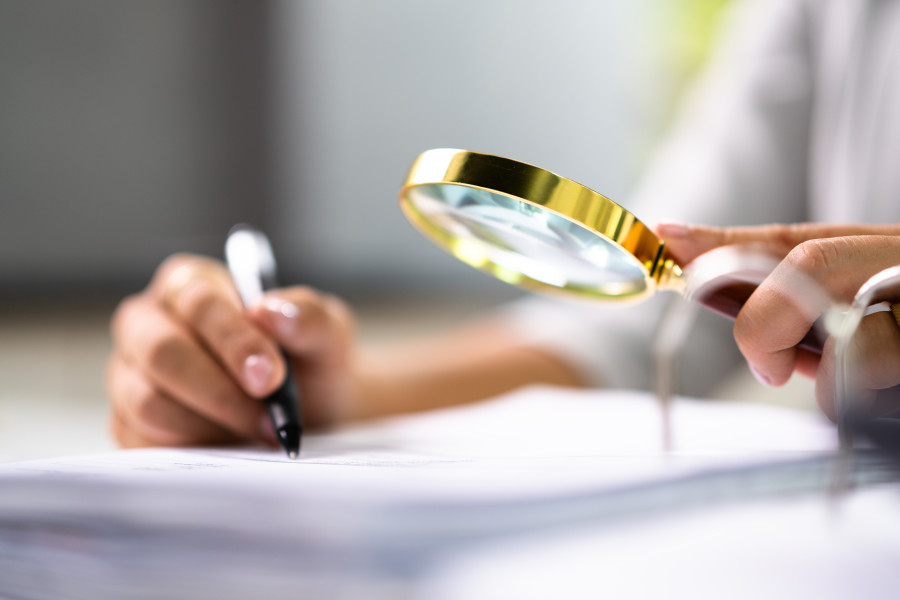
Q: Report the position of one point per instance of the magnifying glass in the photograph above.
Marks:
(533, 228)
(538, 230)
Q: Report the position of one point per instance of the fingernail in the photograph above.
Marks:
(760, 377)
(673, 230)
(267, 430)
(257, 370)
(286, 314)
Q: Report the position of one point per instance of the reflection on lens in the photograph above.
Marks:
(513, 240)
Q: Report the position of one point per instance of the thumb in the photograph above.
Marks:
(687, 242)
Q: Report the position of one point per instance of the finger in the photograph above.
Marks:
(686, 242)
(875, 352)
(174, 362)
(308, 324)
(125, 436)
(199, 293)
(808, 363)
(825, 380)
(779, 314)
(874, 365)
(154, 415)
(316, 330)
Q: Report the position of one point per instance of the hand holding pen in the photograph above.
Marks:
(190, 364)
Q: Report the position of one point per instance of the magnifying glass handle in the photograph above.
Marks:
(728, 296)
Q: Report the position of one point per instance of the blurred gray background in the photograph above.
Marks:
(131, 130)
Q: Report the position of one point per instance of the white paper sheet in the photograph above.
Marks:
(377, 504)
(807, 546)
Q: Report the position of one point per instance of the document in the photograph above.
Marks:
(366, 510)
(777, 548)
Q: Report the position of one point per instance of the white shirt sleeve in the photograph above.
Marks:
(737, 155)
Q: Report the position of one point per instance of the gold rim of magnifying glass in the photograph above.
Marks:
(549, 191)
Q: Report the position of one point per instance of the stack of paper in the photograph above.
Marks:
(370, 511)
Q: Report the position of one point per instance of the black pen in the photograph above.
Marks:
(252, 265)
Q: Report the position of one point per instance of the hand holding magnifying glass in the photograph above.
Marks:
(540, 231)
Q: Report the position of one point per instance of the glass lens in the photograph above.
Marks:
(513, 238)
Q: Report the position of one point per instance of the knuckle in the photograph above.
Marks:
(168, 268)
(174, 262)
(197, 300)
(180, 271)
(813, 256)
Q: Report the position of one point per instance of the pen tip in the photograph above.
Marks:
(290, 440)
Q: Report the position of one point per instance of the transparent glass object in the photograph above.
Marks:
(489, 229)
